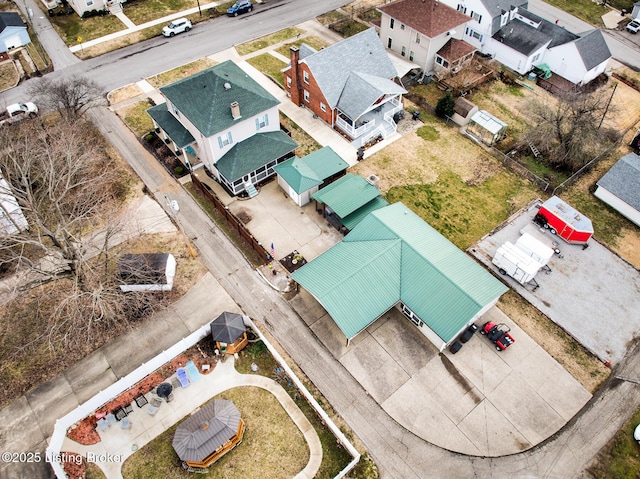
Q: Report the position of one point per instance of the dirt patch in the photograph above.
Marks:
(244, 215)
(125, 93)
(624, 111)
(628, 246)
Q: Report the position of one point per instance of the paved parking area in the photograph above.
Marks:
(593, 294)
(477, 401)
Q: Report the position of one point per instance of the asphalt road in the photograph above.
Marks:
(398, 453)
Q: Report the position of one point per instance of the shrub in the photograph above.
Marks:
(445, 105)
(179, 170)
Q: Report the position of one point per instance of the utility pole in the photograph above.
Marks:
(606, 108)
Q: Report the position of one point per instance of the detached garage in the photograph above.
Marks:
(13, 31)
(620, 187)
(392, 258)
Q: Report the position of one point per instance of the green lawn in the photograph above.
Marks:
(464, 213)
(584, 9)
(141, 11)
(313, 42)
(180, 72)
(264, 42)
(71, 27)
(270, 66)
(138, 119)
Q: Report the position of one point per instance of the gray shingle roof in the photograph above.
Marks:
(557, 34)
(332, 66)
(361, 91)
(495, 7)
(10, 19)
(521, 37)
(306, 50)
(205, 101)
(592, 48)
(623, 180)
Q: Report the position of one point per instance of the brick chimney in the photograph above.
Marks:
(235, 110)
(296, 84)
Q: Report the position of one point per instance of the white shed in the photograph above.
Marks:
(620, 187)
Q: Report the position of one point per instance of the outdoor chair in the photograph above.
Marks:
(175, 382)
(103, 425)
(182, 377)
(170, 397)
(120, 414)
(192, 369)
(111, 419)
(126, 423)
(155, 401)
(141, 400)
(128, 408)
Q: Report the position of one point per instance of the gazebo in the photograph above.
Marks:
(229, 332)
(208, 434)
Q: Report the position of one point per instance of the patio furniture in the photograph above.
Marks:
(152, 410)
(155, 401)
(181, 373)
(193, 372)
(163, 390)
(128, 408)
(169, 398)
(120, 414)
(141, 400)
(175, 382)
(103, 425)
(111, 419)
(126, 423)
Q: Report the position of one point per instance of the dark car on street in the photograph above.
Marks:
(241, 6)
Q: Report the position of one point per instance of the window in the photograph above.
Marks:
(473, 34)
(262, 121)
(306, 96)
(462, 8)
(391, 22)
(476, 16)
(389, 42)
(417, 38)
(323, 107)
(411, 55)
(89, 3)
(503, 19)
(305, 76)
(535, 58)
(224, 140)
(404, 51)
(176, 112)
(442, 61)
(402, 26)
(288, 82)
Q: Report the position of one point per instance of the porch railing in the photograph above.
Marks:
(354, 132)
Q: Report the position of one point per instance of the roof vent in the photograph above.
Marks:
(227, 86)
(374, 180)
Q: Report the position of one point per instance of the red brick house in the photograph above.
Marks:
(352, 85)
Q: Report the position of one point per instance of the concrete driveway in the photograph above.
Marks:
(593, 294)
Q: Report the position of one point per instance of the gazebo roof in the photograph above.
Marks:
(207, 430)
(227, 327)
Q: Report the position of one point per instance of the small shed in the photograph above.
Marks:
(208, 434)
(146, 272)
(348, 200)
(463, 110)
(620, 187)
(486, 128)
(13, 31)
(229, 332)
(565, 221)
(302, 177)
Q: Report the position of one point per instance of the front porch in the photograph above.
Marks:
(376, 121)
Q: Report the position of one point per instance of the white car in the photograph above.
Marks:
(633, 26)
(18, 112)
(177, 26)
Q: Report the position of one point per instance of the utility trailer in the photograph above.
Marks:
(514, 262)
(563, 220)
(536, 249)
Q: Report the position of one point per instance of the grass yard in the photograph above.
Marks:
(272, 446)
(331, 17)
(125, 93)
(141, 11)
(264, 42)
(137, 118)
(620, 458)
(313, 42)
(8, 76)
(71, 27)
(120, 42)
(270, 66)
(180, 72)
(306, 143)
(586, 10)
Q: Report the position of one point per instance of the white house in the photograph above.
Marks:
(13, 31)
(428, 32)
(620, 187)
(223, 120)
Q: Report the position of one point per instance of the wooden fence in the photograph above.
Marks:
(233, 220)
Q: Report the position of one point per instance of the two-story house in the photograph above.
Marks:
(223, 120)
(350, 85)
(428, 32)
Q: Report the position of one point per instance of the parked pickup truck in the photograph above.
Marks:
(18, 112)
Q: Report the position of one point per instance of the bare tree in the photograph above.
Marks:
(568, 134)
(70, 96)
(66, 186)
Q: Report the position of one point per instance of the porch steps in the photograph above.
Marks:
(250, 189)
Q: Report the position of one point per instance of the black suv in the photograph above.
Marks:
(241, 6)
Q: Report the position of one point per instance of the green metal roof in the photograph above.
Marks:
(393, 255)
(254, 152)
(205, 101)
(347, 194)
(304, 173)
(171, 126)
(352, 219)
